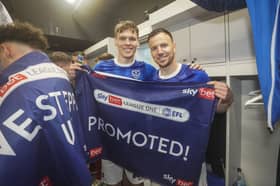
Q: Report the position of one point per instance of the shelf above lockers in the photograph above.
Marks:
(180, 11)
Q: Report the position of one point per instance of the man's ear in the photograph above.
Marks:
(6, 49)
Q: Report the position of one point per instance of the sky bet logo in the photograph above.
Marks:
(102, 96)
(115, 100)
(95, 152)
(180, 182)
(190, 91)
(12, 81)
(206, 93)
(112, 99)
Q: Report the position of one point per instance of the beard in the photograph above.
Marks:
(170, 60)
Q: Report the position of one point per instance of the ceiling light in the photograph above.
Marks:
(70, 1)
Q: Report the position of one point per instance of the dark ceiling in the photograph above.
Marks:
(71, 28)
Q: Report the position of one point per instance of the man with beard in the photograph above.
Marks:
(163, 51)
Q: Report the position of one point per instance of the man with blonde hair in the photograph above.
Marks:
(125, 64)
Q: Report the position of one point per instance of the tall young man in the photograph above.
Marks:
(40, 142)
(163, 51)
(126, 41)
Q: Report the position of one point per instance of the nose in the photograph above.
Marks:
(159, 50)
(127, 41)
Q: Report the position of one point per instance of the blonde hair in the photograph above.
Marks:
(126, 25)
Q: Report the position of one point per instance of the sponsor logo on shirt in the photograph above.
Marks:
(12, 81)
(190, 91)
(206, 93)
(102, 96)
(30, 74)
(181, 182)
(115, 100)
(45, 181)
(95, 152)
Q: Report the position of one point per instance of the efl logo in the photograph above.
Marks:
(95, 152)
(45, 181)
(206, 93)
(180, 182)
(12, 81)
(115, 100)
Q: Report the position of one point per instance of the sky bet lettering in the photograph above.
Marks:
(181, 182)
(95, 152)
(115, 100)
(206, 93)
(12, 81)
(140, 139)
(22, 125)
(190, 91)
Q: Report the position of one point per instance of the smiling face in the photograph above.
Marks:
(126, 42)
(162, 49)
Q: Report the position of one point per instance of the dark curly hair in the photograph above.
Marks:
(25, 33)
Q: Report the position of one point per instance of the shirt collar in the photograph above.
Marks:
(123, 65)
(32, 58)
(173, 74)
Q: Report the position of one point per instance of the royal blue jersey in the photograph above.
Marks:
(40, 135)
(185, 74)
(137, 70)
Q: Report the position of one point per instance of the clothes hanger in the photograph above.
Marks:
(255, 101)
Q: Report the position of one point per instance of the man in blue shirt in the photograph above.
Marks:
(126, 41)
(124, 65)
(163, 50)
(40, 132)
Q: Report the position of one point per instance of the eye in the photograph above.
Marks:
(153, 48)
(164, 45)
(122, 38)
(132, 39)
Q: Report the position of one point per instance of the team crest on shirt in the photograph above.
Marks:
(136, 73)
